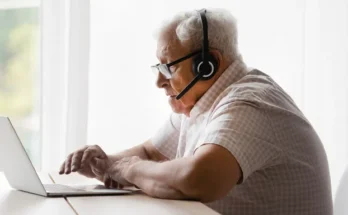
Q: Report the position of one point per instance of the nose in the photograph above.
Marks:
(161, 81)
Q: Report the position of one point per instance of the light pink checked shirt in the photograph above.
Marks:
(284, 165)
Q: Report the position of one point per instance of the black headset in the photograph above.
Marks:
(204, 65)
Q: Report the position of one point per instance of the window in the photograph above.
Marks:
(19, 72)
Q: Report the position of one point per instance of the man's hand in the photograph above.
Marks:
(119, 172)
(90, 161)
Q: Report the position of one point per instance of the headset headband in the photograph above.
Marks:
(205, 45)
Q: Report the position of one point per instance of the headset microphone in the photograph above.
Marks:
(189, 86)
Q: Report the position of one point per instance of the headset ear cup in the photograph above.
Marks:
(195, 62)
(209, 71)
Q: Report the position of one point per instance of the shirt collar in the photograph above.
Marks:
(233, 73)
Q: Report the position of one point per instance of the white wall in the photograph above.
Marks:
(325, 78)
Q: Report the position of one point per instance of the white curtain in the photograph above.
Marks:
(64, 69)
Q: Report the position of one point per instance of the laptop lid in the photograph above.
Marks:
(15, 162)
(21, 174)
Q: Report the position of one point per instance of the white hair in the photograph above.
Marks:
(222, 31)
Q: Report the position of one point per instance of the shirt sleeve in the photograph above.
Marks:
(166, 138)
(242, 128)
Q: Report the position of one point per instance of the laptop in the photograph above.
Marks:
(22, 176)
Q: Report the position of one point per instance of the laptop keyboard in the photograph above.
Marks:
(60, 188)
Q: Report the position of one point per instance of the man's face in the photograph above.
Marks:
(182, 75)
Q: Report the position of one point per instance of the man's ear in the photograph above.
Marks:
(217, 54)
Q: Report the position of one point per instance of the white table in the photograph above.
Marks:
(13, 202)
(17, 202)
(127, 204)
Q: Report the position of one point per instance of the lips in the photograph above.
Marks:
(170, 94)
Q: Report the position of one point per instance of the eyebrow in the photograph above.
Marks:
(184, 58)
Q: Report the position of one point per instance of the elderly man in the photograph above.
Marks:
(235, 141)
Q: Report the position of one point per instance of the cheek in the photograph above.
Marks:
(176, 85)
(180, 81)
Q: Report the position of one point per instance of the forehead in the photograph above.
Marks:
(169, 48)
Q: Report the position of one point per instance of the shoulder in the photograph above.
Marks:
(253, 85)
(256, 89)
(251, 88)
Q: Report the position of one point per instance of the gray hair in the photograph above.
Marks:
(222, 31)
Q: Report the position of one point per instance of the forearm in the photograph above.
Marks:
(207, 176)
(138, 150)
(170, 180)
(146, 151)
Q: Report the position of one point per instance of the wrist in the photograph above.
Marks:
(111, 158)
(132, 172)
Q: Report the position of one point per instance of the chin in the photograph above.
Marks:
(178, 107)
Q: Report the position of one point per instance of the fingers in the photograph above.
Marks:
(68, 164)
(119, 186)
(116, 171)
(107, 181)
(76, 160)
(116, 185)
(62, 168)
(92, 151)
(113, 184)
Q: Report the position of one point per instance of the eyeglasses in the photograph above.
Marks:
(165, 68)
